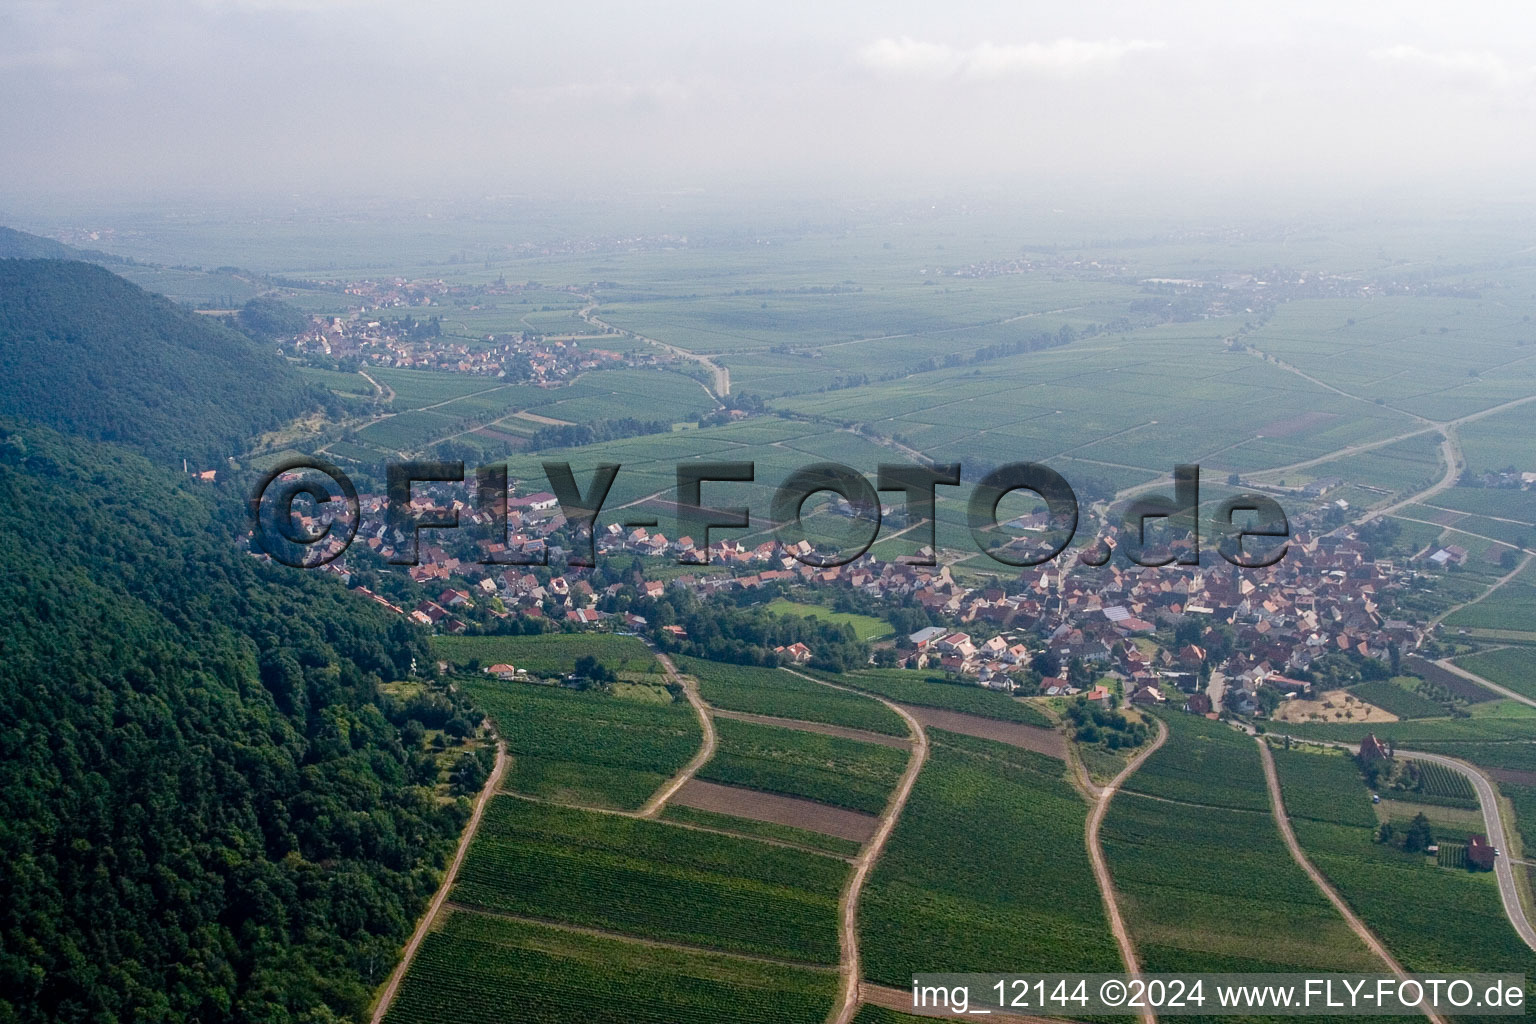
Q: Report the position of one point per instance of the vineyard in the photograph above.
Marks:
(1215, 889)
(1442, 785)
(1324, 787)
(479, 969)
(760, 829)
(931, 691)
(653, 880)
(1432, 920)
(766, 691)
(986, 867)
(586, 747)
(1398, 699)
(1203, 762)
(828, 769)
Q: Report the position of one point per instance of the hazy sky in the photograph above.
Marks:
(312, 95)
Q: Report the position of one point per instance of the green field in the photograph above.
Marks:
(760, 829)
(548, 654)
(1214, 889)
(1432, 919)
(1396, 696)
(920, 688)
(1513, 668)
(827, 769)
(866, 627)
(767, 691)
(480, 969)
(653, 880)
(1203, 762)
(986, 867)
(588, 748)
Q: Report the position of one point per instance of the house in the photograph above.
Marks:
(923, 637)
(1480, 854)
(796, 652)
(543, 501)
(1148, 696)
(1372, 749)
(502, 671)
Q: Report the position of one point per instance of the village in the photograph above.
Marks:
(1229, 640)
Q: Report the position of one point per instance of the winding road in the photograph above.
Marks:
(1493, 826)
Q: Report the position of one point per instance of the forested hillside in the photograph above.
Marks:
(18, 245)
(91, 354)
(207, 812)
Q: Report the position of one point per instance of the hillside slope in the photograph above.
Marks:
(207, 809)
(91, 354)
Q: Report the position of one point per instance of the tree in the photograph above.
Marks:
(1419, 837)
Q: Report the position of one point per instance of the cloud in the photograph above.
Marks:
(907, 56)
(1480, 67)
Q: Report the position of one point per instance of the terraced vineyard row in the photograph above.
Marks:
(767, 691)
(587, 748)
(908, 687)
(1203, 762)
(480, 969)
(654, 881)
(828, 769)
(986, 866)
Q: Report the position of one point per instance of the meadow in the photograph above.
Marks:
(766, 691)
(867, 627)
(827, 769)
(588, 748)
(653, 880)
(986, 867)
(483, 969)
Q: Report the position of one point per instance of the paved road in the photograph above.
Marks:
(851, 970)
(1283, 821)
(1101, 868)
(492, 784)
(654, 805)
(1493, 825)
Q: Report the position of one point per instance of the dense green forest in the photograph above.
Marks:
(208, 812)
(88, 353)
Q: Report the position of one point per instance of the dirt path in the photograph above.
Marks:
(1101, 867)
(720, 375)
(1502, 691)
(800, 724)
(492, 784)
(654, 805)
(844, 1011)
(1517, 570)
(1283, 822)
